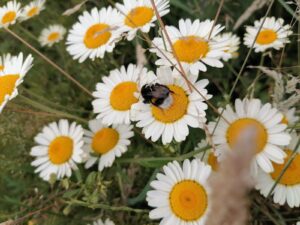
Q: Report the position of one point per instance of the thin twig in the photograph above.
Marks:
(49, 61)
(216, 18)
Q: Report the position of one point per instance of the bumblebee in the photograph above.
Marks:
(157, 94)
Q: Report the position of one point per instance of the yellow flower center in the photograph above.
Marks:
(212, 161)
(240, 125)
(60, 150)
(191, 48)
(33, 11)
(105, 140)
(122, 96)
(139, 16)
(188, 200)
(177, 109)
(97, 35)
(266, 36)
(53, 36)
(292, 174)
(285, 120)
(9, 17)
(7, 85)
(1, 67)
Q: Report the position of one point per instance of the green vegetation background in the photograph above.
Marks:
(89, 195)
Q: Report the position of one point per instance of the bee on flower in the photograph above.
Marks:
(168, 107)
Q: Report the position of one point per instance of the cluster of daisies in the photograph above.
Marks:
(180, 193)
(13, 12)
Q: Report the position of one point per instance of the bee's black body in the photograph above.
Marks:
(155, 94)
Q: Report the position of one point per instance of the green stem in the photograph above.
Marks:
(50, 110)
(162, 159)
(106, 207)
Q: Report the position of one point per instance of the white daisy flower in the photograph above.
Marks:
(181, 194)
(105, 143)
(12, 72)
(96, 33)
(274, 34)
(9, 13)
(4, 60)
(207, 156)
(32, 9)
(140, 15)
(116, 95)
(232, 42)
(270, 133)
(289, 117)
(51, 35)
(187, 108)
(106, 222)
(192, 46)
(287, 189)
(58, 149)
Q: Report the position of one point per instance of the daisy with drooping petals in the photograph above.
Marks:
(207, 156)
(290, 117)
(232, 42)
(181, 194)
(192, 45)
(12, 72)
(186, 108)
(9, 13)
(96, 33)
(51, 35)
(106, 222)
(274, 34)
(269, 132)
(59, 149)
(287, 189)
(32, 9)
(116, 95)
(105, 143)
(140, 15)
